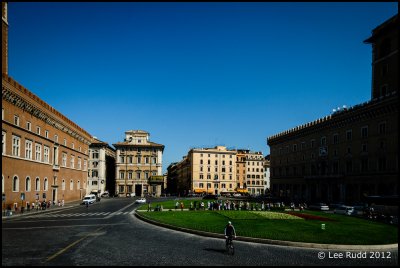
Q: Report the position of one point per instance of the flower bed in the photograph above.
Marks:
(309, 216)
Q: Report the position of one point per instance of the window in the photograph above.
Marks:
(15, 186)
(335, 138)
(84, 164)
(72, 161)
(28, 184)
(37, 184)
(79, 163)
(71, 185)
(323, 141)
(364, 132)
(46, 185)
(364, 148)
(64, 160)
(138, 175)
(3, 143)
(121, 175)
(303, 145)
(16, 120)
(73, 146)
(348, 135)
(65, 142)
(382, 128)
(38, 152)
(16, 146)
(28, 126)
(38, 130)
(55, 138)
(46, 154)
(28, 149)
(312, 143)
(294, 147)
(46, 134)
(78, 185)
(63, 185)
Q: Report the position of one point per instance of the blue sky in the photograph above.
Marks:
(194, 74)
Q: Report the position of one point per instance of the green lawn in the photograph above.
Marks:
(279, 225)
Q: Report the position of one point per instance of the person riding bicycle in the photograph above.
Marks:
(229, 232)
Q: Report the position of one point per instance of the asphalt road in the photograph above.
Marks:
(108, 233)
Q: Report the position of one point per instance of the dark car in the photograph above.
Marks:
(211, 196)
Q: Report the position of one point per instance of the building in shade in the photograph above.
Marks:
(138, 165)
(353, 152)
(101, 169)
(44, 154)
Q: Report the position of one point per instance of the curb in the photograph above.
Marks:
(271, 241)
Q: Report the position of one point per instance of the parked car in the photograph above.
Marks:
(237, 195)
(130, 195)
(90, 198)
(319, 206)
(141, 200)
(345, 210)
(105, 194)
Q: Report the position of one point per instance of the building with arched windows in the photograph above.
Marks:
(354, 151)
(44, 154)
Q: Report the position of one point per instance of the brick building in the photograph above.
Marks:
(352, 152)
(44, 154)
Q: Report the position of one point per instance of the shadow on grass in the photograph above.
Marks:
(223, 251)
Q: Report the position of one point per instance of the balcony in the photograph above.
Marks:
(56, 167)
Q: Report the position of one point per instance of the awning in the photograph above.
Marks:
(242, 190)
(197, 191)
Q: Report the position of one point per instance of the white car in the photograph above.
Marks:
(345, 210)
(90, 199)
(140, 200)
(319, 206)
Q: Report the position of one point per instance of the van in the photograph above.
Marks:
(90, 198)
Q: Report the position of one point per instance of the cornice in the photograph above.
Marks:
(370, 109)
(17, 100)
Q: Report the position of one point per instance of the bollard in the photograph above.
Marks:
(322, 226)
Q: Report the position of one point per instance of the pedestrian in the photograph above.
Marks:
(28, 206)
(148, 206)
(62, 202)
(176, 205)
(182, 206)
(59, 202)
(202, 205)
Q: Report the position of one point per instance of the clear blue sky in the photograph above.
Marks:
(194, 74)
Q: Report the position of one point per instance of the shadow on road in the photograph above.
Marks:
(223, 251)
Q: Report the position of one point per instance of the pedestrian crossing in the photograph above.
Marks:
(85, 214)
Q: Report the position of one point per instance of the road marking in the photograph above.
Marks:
(119, 211)
(71, 245)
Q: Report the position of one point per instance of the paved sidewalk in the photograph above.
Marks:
(34, 211)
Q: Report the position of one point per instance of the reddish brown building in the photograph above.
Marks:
(44, 154)
(352, 152)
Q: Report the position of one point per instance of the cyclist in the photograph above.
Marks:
(229, 232)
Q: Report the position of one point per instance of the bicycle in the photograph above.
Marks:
(230, 249)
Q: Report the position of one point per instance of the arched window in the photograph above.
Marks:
(71, 185)
(15, 187)
(37, 185)
(28, 184)
(78, 185)
(46, 185)
(63, 185)
(2, 183)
